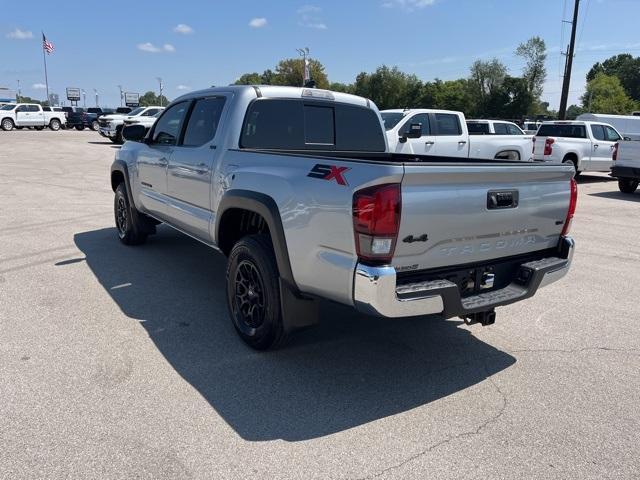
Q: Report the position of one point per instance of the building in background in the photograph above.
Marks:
(7, 95)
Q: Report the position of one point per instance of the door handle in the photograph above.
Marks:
(462, 142)
(596, 146)
(429, 143)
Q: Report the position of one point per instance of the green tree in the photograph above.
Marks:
(573, 111)
(512, 99)
(453, 95)
(625, 67)
(249, 79)
(151, 99)
(605, 94)
(291, 72)
(486, 78)
(341, 87)
(389, 88)
(534, 52)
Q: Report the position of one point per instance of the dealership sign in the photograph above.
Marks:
(73, 94)
(131, 99)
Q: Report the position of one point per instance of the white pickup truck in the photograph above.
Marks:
(29, 115)
(110, 126)
(588, 146)
(626, 165)
(444, 132)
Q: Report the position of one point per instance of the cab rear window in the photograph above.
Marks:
(290, 124)
(562, 130)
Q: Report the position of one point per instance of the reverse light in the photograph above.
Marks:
(376, 221)
(572, 208)
(548, 148)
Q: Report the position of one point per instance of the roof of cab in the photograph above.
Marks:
(274, 91)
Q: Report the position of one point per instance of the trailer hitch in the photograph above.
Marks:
(485, 318)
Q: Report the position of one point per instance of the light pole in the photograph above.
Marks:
(19, 92)
(306, 76)
(120, 88)
(96, 92)
(84, 99)
(160, 82)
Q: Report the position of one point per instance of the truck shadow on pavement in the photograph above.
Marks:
(615, 195)
(348, 371)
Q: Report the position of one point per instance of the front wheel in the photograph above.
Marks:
(79, 127)
(127, 219)
(94, 125)
(253, 293)
(7, 124)
(55, 124)
(627, 185)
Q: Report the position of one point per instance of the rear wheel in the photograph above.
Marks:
(573, 163)
(39, 128)
(94, 125)
(79, 127)
(627, 185)
(54, 124)
(128, 221)
(253, 293)
(7, 124)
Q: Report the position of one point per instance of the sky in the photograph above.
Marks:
(193, 44)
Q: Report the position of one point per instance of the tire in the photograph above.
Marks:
(7, 124)
(569, 161)
(94, 126)
(113, 140)
(127, 219)
(253, 293)
(39, 129)
(119, 139)
(627, 185)
(55, 124)
(79, 127)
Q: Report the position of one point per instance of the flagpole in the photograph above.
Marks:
(44, 58)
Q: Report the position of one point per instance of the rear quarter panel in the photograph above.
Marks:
(628, 154)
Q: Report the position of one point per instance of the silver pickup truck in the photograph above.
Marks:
(297, 188)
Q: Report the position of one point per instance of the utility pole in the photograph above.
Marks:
(120, 88)
(84, 98)
(562, 111)
(96, 92)
(19, 93)
(160, 82)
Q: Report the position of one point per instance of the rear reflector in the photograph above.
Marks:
(572, 208)
(376, 220)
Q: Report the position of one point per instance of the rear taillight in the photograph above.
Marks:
(548, 149)
(614, 155)
(376, 220)
(572, 207)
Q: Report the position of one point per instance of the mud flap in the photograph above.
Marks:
(297, 311)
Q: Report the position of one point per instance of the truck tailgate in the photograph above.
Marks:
(457, 214)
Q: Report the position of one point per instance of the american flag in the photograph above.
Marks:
(47, 45)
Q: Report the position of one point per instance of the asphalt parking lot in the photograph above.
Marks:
(121, 362)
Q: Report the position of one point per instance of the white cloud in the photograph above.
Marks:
(310, 16)
(183, 29)
(258, 22)
(38, 86)
(151, 48)
(409, 5)
(18, 34)
(183, 87)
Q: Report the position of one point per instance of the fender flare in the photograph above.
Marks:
(266, 207)
(121, 166)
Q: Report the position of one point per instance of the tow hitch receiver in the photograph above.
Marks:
(483, 318)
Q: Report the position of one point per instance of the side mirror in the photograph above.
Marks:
(135, 133)
(415, 131)
(627, 139)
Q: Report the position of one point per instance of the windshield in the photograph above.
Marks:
(391, 119)
(136, 111)
(7, 107)
(477, 128)
(562, 130)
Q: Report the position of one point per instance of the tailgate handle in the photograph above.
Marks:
(498, 199)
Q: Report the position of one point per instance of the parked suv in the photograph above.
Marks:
(110, 126)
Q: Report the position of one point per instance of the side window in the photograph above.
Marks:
(22, 108)
(422, 119)
(598, 132)
(612, 135)
(203, 122)
(46, 109)
(513, 130)
(273, 124)
(447, 124)
(477, 128)
(167, 128)
(150, 113)
(500, 128)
